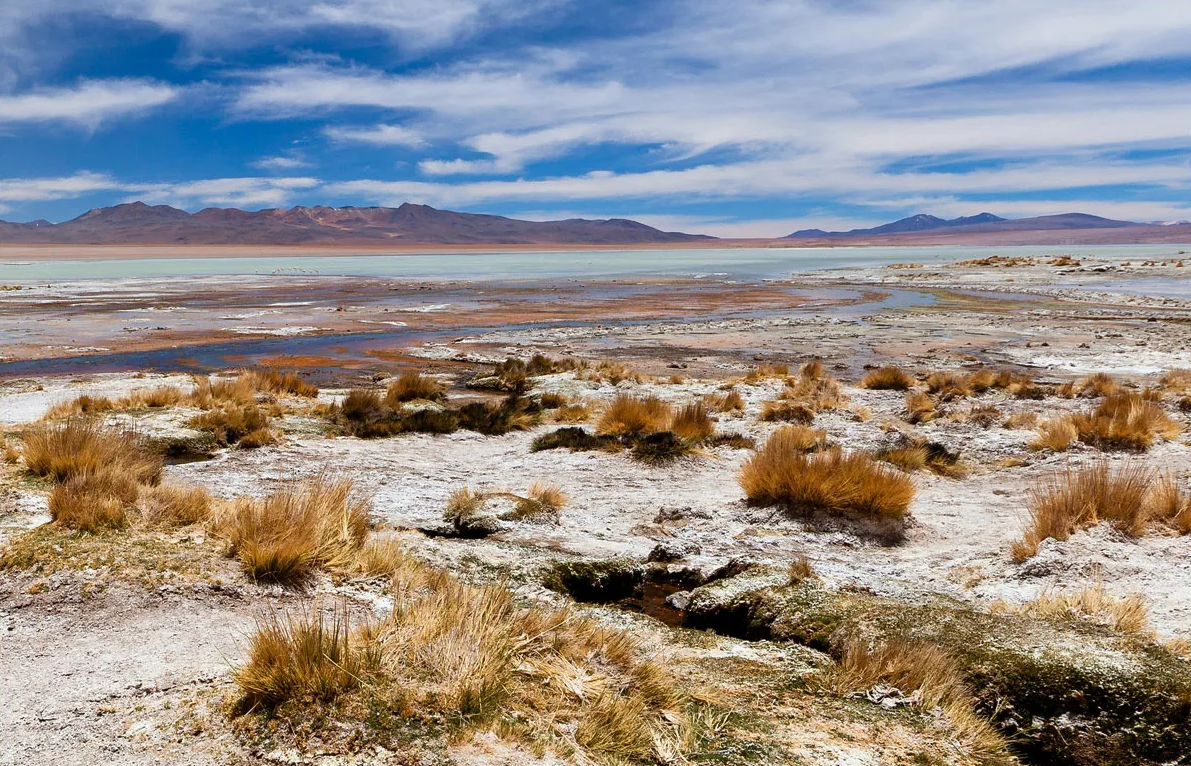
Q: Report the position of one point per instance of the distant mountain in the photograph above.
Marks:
(983, 222)
(138, 223)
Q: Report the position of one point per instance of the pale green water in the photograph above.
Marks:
(743, 263)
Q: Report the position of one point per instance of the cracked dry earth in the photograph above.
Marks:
(108, 663)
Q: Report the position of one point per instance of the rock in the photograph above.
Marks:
(673, 550)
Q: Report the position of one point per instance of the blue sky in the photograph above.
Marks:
(731, 118)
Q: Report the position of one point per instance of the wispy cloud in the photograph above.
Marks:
(376, 135)
(88, 103)
(223, 192)
(65, 187)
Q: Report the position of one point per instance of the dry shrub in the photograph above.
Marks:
(11, 454)
(609, 371)
(1098, 384)
(81, 446)
(983, 415)
(1125, 421)
(920, 408)
(924, 673)
(1170, 503)
(552, 401)
(1027, 419)
(830, 481)
(1080, 498)
(692, 423)
(801, 570)
(727, 401)
(1056, 434)
(233, 423)
(208, 393)
(413, 386)
(909, 459)
(173, 505)
(947, 385)
(572, 413)
(542, 499)
(633, 416)
(817, 392)
(887, 379)
(94, 500)
(303, 657)
(1125, 614)
(811, 370)
(798, 438)
(1176, 381)
(302, 527)
(82, 405)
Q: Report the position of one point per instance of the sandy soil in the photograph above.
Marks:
(101, 670)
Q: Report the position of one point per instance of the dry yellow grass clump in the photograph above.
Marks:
(469, 656)
(413, 386)
(94, 500)
(786, 411)
(922, 670)
(1080, 498)
(1098, 384)
(1125, 614)
(578, 412)
(814, 389)
(232, 423)
(1125, 421)
(692, 423)
(280, 383)
(85, 447)
(1028, 419)
(947, 385)
(1056, 434)
(829, 481)
(765, 372)
(1176, 382)
(302, 527)
(920, 408)
(887, 379)
(726, 401)
(1171, 503)
(632, 415)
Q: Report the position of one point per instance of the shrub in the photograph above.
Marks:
(94, 500)
(830, 482)
(413, 386)
(660, 447)
(574, 439)
(786, 411)
(1099, 384)
(817, 392)
(80, 446)
(732, 440)
(692, 423)
(947, 385)
(542, 499)
(887, 379)
(1080, 498)
(812, 370)
(233, 423)
(798, 438)
(572, 413)
(299, 528)
(552, 401)
(1124, 421)
(634, 416)
(1171, 504)
(1021, 420)
(515, 413)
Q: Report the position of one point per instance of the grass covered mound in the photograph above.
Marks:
(368, 415)
(1074, 692)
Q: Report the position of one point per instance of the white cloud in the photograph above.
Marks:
(281, 162)
(376, 135)
(223, 192)
(20, 190)
(88, 103)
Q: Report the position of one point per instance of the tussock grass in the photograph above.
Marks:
(172, 505)
(909, 459)
(1125, 421)
(731, 440)
(831, 482)
(413, 386)
(947, 385)
(81, 446)
(1056, 434)
(915, 454)
(1170, 503)
(634, 416)
(94, 500)
(725, 401)
(280, 383)
(10, 454)
(1021, 420)
(660, 447)
(785, 411)
(1098, 384)
(765, 372)
(928, 675)
(608, 371)
(552, 401)
(542, 499)
(814, 389)
(1080, 498)
(298, 529)
(572, 413)
(983, 415)
(1124, 614)
(801, 570)
(469, 657)
(920, 408)
(812, 370)
(798, 438)
(365, 414)
(232, 423)
(692, 423)
(887, 379)
(575, 439)
(1176, 381)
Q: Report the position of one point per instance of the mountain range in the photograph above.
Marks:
(138, 223)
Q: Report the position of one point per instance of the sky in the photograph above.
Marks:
(741, 118)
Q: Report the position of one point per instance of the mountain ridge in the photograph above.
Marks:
(982, 222)
(141, 223)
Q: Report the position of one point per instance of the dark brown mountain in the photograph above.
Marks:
(138, 223)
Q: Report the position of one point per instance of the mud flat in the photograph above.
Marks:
(719, 606)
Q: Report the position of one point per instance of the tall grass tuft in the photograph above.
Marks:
(887, 379)
(1125, 421)
(94, 500)
(633, 416)
(413, 386)
(692, 423)
(81, 446)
